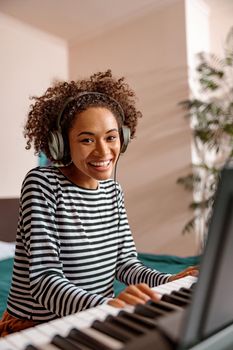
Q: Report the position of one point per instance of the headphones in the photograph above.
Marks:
(56, 142)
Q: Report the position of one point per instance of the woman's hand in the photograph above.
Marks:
(190, 271)
(134, 294)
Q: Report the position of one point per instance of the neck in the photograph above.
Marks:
(75, 176)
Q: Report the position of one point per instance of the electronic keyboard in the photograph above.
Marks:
(107, 328)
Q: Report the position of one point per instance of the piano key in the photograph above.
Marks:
(5, 345)
(93, 339)
(138, 319)
(182, 294)
(64, 344)
(48, 346)
(120, 327)
(112, 330)
(187, 282)
(103, 338)
(126, 325)
(18, 340)
(186, 290)
(174, 299)
(36, 337)
(32, 337)
(47, 329)
(82, 319)
(149, 311)
(163, 305)
(110, 310)
(31, 347)
(63, 326)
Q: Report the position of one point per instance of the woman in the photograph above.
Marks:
(73, 236)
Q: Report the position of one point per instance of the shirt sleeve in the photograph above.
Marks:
(37, 226)
(129, 269)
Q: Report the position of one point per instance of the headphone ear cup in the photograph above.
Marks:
(125, 138)
(56, 145)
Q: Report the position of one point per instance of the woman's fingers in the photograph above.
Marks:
(190, 271)
(137, 294)
(117, 303)
(144, 288)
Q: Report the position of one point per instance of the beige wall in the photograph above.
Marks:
(151, 53)
(30, 60)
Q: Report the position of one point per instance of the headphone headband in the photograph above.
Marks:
(91, 93)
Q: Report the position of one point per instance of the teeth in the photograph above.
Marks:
(106, 163)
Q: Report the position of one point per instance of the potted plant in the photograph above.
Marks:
(211, 119)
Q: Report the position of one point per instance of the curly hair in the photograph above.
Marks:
(43, 114)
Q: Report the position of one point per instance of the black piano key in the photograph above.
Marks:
(181, 294)
(86, 339)
(193, 285)
(112, 330)
(31, 347)
(126, 325)
(138, 319)
(153, 340)
(63, 343)
(174, 299)
(148, 311)
(186, 290)
(163, 305)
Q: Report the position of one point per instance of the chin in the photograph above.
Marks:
(102, 177)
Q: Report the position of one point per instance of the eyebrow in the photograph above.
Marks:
(93, 134)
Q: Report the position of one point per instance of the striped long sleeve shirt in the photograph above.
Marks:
(71, 244)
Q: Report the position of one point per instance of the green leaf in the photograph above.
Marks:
(189, 227)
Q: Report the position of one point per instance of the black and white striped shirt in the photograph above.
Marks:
(71, 243)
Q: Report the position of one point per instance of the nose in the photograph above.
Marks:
(102, 148)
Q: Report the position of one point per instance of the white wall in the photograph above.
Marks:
(30, 60)
(151, 53)
(197, 36)
(221, 20)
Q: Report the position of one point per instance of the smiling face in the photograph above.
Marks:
(94, 143)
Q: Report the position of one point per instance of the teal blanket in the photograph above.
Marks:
(6, 267)
(163, 263)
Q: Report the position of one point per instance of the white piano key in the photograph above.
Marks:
(18, 340)
(177, 284)
(80, 321)
(50, 331)
(110, 310)
(165, 290)
(36, 337)
(188, 280)
(129, 308)
(63, 327)
(47, 329)
(5, 345)
(89, 318)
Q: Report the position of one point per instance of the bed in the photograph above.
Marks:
(8, 225)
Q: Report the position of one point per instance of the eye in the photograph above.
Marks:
(87, 140)
(112, 138)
